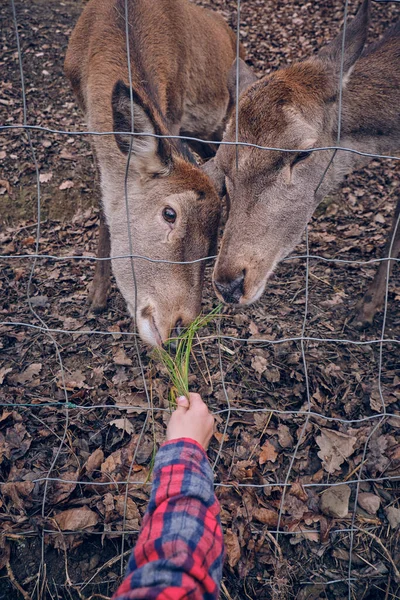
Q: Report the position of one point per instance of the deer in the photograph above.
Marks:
(271, 194)
(156, 201)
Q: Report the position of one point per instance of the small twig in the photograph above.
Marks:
(385, 551)
(352, 472)
(107, 564)
(388, 587)
(225, 590)
(15, 582)
(205, 362)
(273, 540)
(262, 433)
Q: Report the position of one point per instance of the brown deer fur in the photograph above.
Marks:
(180, 58)
(273, 194)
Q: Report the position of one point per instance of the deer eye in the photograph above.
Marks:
(301, 156)
(169, 214)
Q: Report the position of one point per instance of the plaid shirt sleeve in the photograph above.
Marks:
(179, 552)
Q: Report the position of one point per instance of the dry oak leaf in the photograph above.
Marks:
(377, 461)
(120, 358)
(335, 448)
(74, 380)
(27, 375)
(232, 547)
(267, 453)
(123, 424)
(76, 519)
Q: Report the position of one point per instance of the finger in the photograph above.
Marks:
(182, 403)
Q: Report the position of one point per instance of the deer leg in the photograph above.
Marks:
(101, 281)
(375, 295)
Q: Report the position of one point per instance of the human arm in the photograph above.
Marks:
(179, 552)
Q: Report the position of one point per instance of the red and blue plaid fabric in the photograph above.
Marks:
(180, 550)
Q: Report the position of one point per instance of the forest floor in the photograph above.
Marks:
(293, 416)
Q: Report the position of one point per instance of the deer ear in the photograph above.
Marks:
(246, 78)
(153, 154)
(355, 38)
(216, 175)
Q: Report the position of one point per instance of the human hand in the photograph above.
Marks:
(191, 419)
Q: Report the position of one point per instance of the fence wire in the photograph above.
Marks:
(376, 420)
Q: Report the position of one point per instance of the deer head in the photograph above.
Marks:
(162, 207)
(273, 194)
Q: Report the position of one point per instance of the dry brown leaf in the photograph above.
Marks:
(74, 380)
(284, 436)
(5, 551)
(94, 461)
(16, 443)
(66, 185)
(335, 448)
(76, 519)
(108, 506)
(5, 187)
(272, 375)
(27, 375)
(3, 373)
(377, 461)
(232, 547)
(266, 516)
(298, 491)
(123, 424)
(302, 533)
(121, 359)
(294, 507)
(45, 177)
(259, 364)
(128, 509)
(16, 490)
(63, 487)
(71, 324)
(119, 459)
(267, 453)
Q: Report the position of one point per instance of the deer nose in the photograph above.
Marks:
(231, 291)
(177, 330)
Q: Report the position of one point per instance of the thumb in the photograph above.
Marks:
(182, 404)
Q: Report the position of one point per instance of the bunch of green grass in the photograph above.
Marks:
(177, 362)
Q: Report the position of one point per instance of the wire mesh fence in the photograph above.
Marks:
(243, 395)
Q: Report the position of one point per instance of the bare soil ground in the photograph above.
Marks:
(66, 445)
